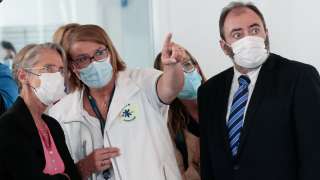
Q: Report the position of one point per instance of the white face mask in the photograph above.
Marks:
(51, 88)
(250, 52)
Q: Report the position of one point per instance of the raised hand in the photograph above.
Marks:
(171, 52)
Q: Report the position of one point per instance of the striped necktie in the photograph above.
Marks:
(236, 117)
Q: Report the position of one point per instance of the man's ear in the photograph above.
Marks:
(226, 48)
(267, 32)
(223, 45)
(267, 41)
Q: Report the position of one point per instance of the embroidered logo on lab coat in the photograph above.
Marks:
(129, 112)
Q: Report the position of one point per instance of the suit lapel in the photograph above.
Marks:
(28, 125)
(264, 82)
(224, 94)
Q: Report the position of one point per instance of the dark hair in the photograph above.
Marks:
(235, 5)
(8, 45)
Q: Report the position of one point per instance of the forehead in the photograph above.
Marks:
(241, 17)
(84, 47)
(48, 56)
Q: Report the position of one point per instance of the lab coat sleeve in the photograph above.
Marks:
(147, 79)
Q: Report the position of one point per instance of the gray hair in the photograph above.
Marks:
(234, 5)
(26, 56)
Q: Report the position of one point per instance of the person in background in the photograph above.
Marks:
(114, 118)
(33, 144)
(62, 32)
(258, 119)
(7, 53)
(60, 37)
(8, 88)
(183, 117)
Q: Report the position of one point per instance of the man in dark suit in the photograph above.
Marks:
(259, 119)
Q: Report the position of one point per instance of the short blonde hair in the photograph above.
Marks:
(62, 32)
(26, 56)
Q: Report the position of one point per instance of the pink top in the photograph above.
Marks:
(54, 163)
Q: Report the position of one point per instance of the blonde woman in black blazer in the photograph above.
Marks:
(32, 145)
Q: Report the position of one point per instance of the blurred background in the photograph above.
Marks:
(138, 27)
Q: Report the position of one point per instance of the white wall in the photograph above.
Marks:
(131, 30)
(129, 27)
(138, 30)
(294, 29)
(48, 12)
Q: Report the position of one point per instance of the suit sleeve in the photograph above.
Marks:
(306, 115)
(205, 164)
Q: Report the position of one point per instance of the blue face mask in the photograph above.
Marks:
(97, 74)
(192, 82)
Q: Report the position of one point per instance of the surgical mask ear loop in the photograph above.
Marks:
(28, 82)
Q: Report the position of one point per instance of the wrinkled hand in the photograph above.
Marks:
(99, 160)
(171, 53)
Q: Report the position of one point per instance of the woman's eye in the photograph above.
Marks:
(99, 53)
(82, 59)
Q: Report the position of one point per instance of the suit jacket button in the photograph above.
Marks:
(236, 167)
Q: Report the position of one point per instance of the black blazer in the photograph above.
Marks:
(21, 152)
(2, 106)
(280, 139)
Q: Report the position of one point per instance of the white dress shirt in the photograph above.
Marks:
(253, 76)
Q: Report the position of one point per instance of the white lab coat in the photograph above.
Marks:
(142, 136)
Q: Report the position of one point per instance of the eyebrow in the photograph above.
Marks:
(83, 54)
(46, 65)
(234, 30)
(254, 25)
(50, 65)
(95, 51)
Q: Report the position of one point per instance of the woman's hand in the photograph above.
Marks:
(99, 160)
(171, 52)
(172, 79)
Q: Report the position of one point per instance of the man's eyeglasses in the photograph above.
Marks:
(83, 61)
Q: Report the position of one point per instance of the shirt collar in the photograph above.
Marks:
(252, 74)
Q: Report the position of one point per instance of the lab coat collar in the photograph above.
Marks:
(125, 88)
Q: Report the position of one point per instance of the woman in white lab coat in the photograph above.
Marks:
(115, 118)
